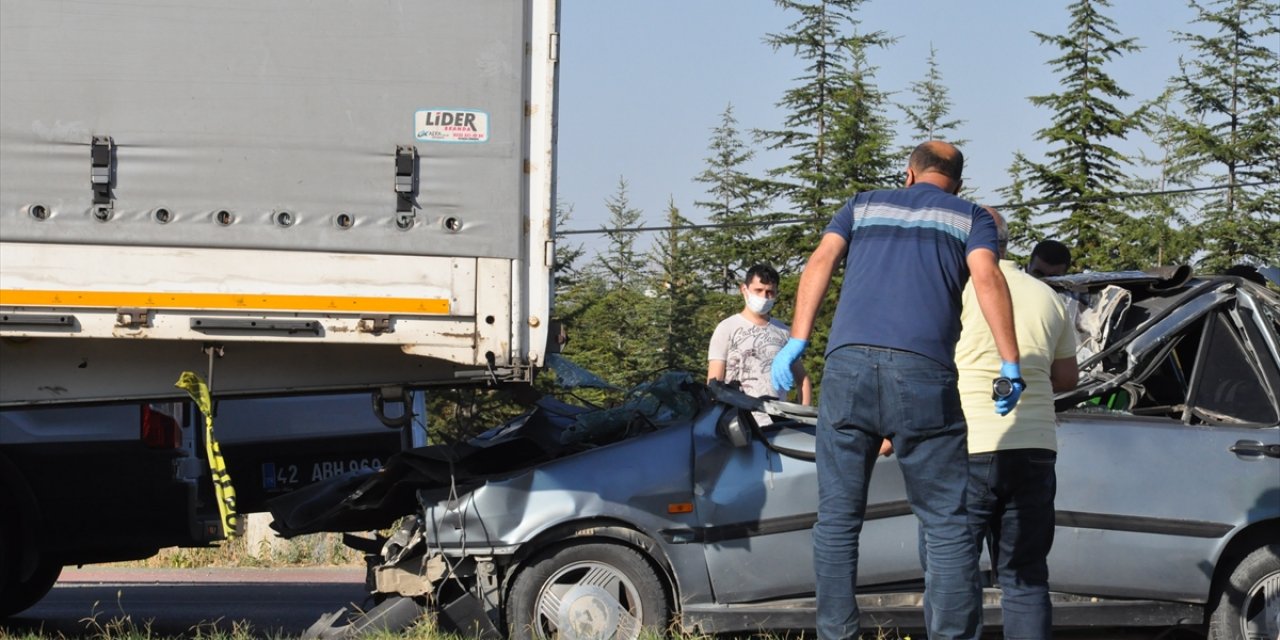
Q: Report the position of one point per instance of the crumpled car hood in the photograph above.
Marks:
(374, 499)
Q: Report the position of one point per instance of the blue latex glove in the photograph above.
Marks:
(1012, 371)
(783, 380)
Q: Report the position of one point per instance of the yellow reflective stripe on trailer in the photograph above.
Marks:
(224, 493)
(226, 301)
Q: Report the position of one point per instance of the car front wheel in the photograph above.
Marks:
(591, 590)
(1248, 606)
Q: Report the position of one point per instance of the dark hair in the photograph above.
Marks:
(1051, 252)
(762, 272)
(926, 158)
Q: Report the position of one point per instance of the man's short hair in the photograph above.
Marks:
(762, 272)
(1051, 252)
(926, 158)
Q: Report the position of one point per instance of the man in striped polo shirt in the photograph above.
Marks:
(890, 373)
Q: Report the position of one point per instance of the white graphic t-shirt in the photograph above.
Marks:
(748, 350)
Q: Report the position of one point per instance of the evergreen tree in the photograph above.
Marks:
(735, 198)
(566, 270)
(927, 117)
(1161, 233)
(825, 37)
(1017, 213)
(861, 140)
(1231, 91)
(677, 296)
(612, 336)
(607, 335)
(622, 264)
(1081, 169)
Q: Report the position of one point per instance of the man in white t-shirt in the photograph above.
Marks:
(744, 344)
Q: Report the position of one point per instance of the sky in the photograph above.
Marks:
(644, 82)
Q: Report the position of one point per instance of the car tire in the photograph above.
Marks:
(591, 590)
(20, 596)
(1248, 604)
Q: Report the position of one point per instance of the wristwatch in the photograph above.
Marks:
(1002, 387)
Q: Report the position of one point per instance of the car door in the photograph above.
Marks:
(1146, 503)
(758, 507)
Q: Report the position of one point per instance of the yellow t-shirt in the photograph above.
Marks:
(1045, 334)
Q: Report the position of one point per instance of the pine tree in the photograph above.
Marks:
(1161, 233)
(861, 139)
(608, 333)
(566, 270)
(677, 299)
(1017, 213)
(1231, 91)
(621, 262)
(735, 198)
(1081, 169)
(815, 179)
(927, 116)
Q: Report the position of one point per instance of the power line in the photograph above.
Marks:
(816, 218)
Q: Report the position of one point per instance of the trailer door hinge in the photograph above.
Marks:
(102, 154)
(553, 53)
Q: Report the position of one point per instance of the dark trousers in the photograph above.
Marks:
(869, 393)
(1010, 501)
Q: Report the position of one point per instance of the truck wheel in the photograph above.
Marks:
(19, 596)
(584, 591)
(1248, 606)
(4, 567)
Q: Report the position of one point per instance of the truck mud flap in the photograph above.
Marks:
(393, 614)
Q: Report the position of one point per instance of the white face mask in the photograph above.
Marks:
(758, 304)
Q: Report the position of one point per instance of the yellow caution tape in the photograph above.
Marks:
(222, 489)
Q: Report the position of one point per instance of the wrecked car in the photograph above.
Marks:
(678, 508)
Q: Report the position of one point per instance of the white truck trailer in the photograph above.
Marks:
(288, 197)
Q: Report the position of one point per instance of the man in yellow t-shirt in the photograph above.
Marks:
(1012, 482)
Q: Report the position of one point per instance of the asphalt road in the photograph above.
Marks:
(178, 603)
(181, 602)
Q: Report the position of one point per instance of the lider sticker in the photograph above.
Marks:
(451, 125)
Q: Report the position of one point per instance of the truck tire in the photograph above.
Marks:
(5, 563)
(18, 596)
(587, 590)
(1248, 604)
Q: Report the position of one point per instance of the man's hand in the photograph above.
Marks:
(1013, 372)
(886, 447)
(783, 379)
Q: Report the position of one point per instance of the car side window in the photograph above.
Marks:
(1229, 385)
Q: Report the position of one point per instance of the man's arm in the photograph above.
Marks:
(1064, 374)
(814, 281)
(715, 370)
(806, 385)
(993, 299)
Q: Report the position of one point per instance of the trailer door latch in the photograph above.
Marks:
(406, 181)
(102, 153)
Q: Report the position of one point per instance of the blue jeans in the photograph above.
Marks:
(869, 393)
(1011, 508)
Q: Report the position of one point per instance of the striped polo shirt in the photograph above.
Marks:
(905, 269)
